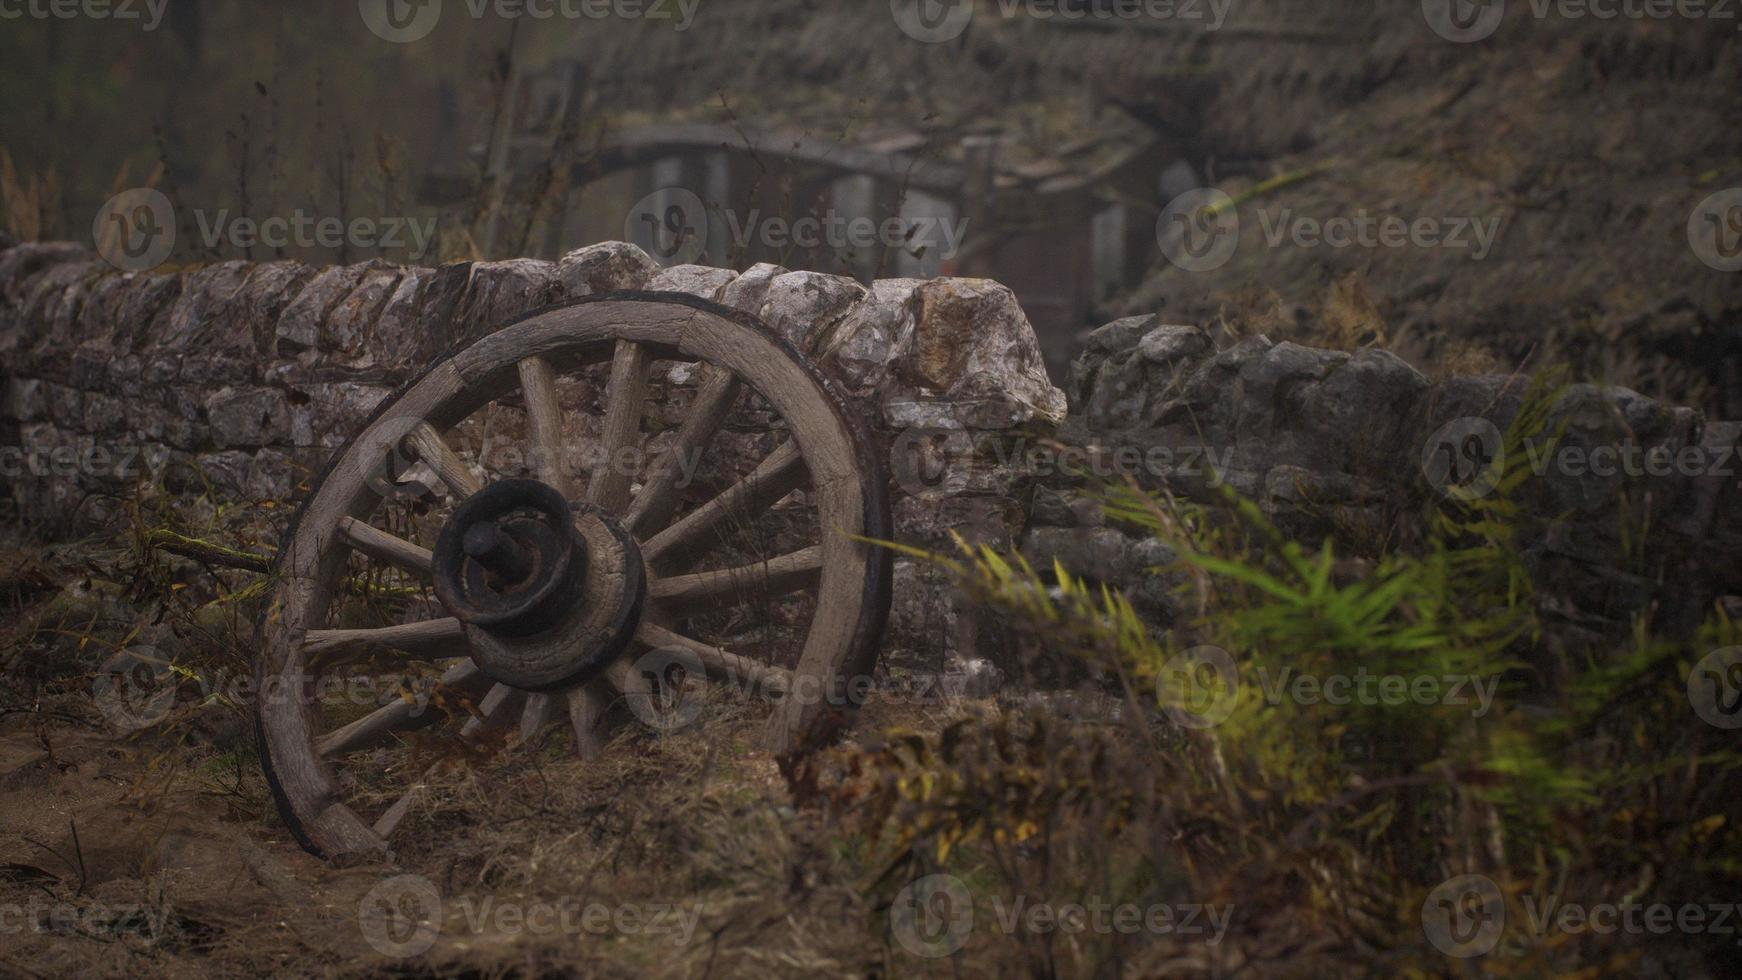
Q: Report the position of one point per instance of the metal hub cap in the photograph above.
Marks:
(548, 594)
(510, 561)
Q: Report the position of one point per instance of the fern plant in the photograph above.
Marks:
(1458, 757)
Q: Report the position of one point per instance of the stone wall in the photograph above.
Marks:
(234, 382)
(1632, 509)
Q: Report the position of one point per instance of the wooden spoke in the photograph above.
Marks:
(829, 451)
(495, 706)
(630, 683)
(657, 498)
(588, 705)
(435, 639)
(537, 713)
(401, 715)
(777, 476)
(433, 451)
(624, 401)
(544, 418)
(381, 546)
(748, 583)
(720, 665)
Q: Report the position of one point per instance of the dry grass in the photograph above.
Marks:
(178, 815)
(29, 204)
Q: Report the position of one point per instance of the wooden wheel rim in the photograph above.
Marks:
(852, 595)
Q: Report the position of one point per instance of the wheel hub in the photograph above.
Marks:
(548, 595)
(510, 560)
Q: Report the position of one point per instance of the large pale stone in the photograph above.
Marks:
(750, 290)
(864, 346)
(804, 307)
(974, 343)
(606, 268)
(696, 280)
(964, 340)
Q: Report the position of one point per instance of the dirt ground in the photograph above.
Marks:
(162, 856)
(138, 836)
(157, 850)
(139, 857)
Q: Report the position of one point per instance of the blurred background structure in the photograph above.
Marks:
(1036, 150)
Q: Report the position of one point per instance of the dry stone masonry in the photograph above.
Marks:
(236, 381)
(1335, 443)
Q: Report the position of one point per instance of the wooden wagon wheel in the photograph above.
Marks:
(546, 588)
